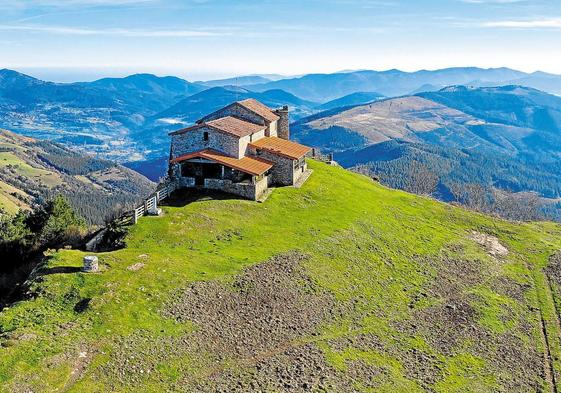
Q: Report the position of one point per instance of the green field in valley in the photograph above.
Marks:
(22, 168)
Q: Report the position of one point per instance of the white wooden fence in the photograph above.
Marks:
(151, 203)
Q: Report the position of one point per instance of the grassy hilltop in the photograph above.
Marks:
(342, 285)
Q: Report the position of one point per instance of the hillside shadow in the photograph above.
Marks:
(59, 270)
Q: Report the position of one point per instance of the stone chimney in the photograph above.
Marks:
(283, 126)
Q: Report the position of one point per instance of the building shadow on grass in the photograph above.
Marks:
(186, 196)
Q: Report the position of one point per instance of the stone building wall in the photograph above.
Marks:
(246, 190)
(282, 172)
(300, 166)
(261, 186)
(185, 182)
(192, 141)
(247, 140)
(273, 127)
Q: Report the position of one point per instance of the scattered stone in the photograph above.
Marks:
(490, 243)
(155, 211)
(260, 320)
(136, 266)
(453, 322)
(27, 337)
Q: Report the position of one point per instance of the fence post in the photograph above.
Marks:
(159, 195)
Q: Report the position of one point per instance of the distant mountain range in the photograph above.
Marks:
(128, 119)
(506, 137)
(97, 116)
(119, 118)
(239, 81)
(32, 171)
(244, 80)
(324, 87)
(196, 106)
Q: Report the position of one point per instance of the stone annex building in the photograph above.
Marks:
(242, 149)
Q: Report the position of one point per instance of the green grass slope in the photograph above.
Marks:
(342, 285)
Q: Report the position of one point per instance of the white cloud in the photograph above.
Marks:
(544, 23)
(114, 32)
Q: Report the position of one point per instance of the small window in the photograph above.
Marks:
(205, 136)
(251, 137)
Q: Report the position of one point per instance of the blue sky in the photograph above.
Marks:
(197, 39)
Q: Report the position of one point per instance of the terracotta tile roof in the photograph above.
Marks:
(228, 124)
(251, 165)
(281, 147)
(234, 126)
(259, 109)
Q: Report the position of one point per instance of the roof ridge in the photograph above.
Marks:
(232, 117)
(182, 130)
(259, 109)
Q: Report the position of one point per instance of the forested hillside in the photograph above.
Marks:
(500, 138)
(33, 171)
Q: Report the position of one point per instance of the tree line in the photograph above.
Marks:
(417, 178)
(27, 234)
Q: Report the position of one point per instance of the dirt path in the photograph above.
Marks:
(549, 372)
(82, 361)
(548, 367)
(551, 298)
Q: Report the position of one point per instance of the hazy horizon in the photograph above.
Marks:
(70, 75)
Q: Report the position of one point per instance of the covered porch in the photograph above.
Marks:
(246, 177)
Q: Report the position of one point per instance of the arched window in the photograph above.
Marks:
(205, 136)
